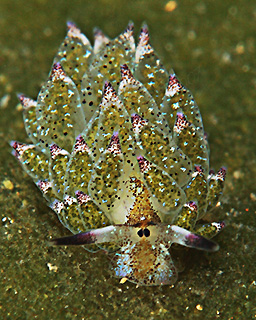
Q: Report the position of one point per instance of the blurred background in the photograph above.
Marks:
(211, 46)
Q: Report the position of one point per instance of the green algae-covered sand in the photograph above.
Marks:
(211, 47)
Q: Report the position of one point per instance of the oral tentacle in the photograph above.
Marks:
(95, 236)
(192, 240)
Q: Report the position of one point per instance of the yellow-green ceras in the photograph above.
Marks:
(120, 154)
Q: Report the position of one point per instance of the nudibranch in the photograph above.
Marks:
(119, 151)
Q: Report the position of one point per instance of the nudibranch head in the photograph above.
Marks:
(119, 151)
(143, 257)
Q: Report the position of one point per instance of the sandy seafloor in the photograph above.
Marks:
(211, 45)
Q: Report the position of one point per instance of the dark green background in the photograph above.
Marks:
(211, 46)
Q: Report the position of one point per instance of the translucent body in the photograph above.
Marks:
(120, 154)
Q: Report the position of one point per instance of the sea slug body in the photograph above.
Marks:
(119, 151)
